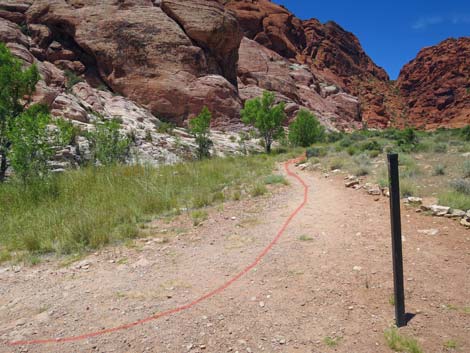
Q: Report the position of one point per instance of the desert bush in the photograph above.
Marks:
(352, 150)
(305, 130)
(461, 186)
(373, 154)
(108, 145)
(440, 148)
(439, 169)
(71, 79)
(16, 84)
(454, 199)
(275, 179)
(200, 129)
(337, 163)
(31, 144)
(371, 145)
(316, 151)
(165, 128)
(466, 169)
(408, 188)
(334, 136)
(465, 133)
(345, 142)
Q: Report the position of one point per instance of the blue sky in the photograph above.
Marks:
(391, 32)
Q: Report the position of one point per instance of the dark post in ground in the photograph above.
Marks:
(397, 253)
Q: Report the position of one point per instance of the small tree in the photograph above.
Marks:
(200, 129)
(108, 145)
(30, 140)
(305, 130)
(266, 117)
(15, 85)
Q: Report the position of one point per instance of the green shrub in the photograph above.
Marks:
(336, 163)
(373, 154)
(465, 133)
(361, 170)
(200, 129)
(439, 170)
(275, 179)
(15, 85)
(108, 145)
(71, 79)
(266, 117)
(408, 188)
(346, 142)
(199, 216)
(166, 128)
(371, 145)
(466, 169)
(334, 136)
(461, 185)
(316, 151)
(440, 148)
(258, 190)
(31, 147)
(305, 130)
(352, 150)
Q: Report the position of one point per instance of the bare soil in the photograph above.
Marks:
(329, 276)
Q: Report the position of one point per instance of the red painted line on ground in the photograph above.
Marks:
(195, 302)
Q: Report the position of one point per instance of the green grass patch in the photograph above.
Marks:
(275, 179)
(455, 199)
(199, 216)
(400, 343)
(450, 344)
(305, 238)
(332, 341)
(85, 209)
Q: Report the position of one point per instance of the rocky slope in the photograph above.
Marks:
(436, 85)
(169, 58)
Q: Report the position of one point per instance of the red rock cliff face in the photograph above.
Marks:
(172, 56)
(176, 56)
(333, 55)
(436, 85)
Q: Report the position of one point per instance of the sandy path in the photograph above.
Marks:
(337, 284)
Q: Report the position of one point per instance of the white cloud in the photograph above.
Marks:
(425, 22)
(454, 19)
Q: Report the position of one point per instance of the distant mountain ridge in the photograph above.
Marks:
(173, 57)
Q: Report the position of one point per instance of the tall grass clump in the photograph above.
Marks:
(91, 207)
(400, 343)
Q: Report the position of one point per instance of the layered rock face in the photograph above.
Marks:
(333, 57)
(157, 54)
(436, 85)
(172, 57)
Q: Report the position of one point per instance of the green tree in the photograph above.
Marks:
(16, 84)
(30, 140)
(200, 129)
(266, 117)
(108, 145)
(305, 130)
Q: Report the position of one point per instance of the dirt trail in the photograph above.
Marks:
(329, 275)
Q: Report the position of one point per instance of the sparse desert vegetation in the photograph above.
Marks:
(432, 164)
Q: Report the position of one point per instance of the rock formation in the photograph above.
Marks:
(172, 57)
(436, 85)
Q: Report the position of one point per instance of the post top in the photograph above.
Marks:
(392, 156)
